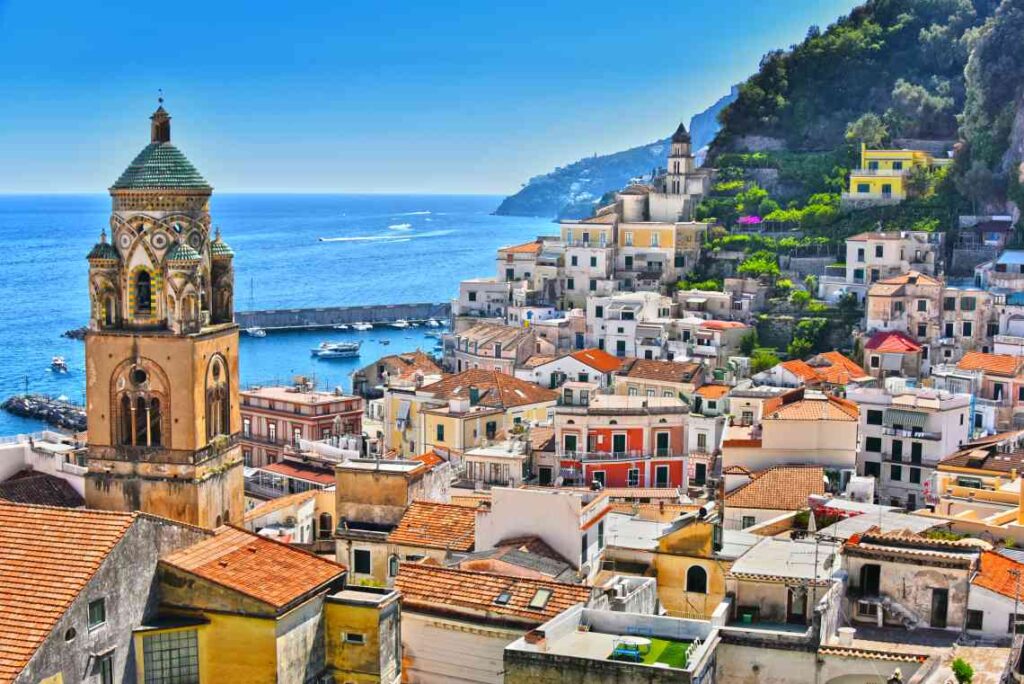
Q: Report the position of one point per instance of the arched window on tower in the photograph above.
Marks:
(218, 399)
(109, 311)
(125, 420)
(143, 294)
(697, 580)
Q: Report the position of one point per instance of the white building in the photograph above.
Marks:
(612, 320)
(48, 453)
(904, 435)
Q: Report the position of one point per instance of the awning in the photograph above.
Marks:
(696, 300)
(908, 419)
(892, 362)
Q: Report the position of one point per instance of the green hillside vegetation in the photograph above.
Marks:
(902, 60)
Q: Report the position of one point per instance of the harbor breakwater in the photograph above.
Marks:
(328, 317)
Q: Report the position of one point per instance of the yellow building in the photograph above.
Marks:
(237, 607)
(460, 411)
(883, 173)
(690, 557)
(162, 348)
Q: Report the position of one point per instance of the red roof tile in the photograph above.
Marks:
(994, 573)
(276, 574)
(497, 390)
(598, 359)
(892, 341)
(47, 556)
(783, 488)
(525, 248)
(996, 364)
(301, 471)
(430, 458)
(665, 371)
(722, 325)
(713, 391)
(476, 594)
(436, 526)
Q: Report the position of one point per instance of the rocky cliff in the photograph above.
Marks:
(572, 191)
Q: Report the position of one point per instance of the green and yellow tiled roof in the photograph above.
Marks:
(219, 248)
(161, 165)
(104, 250)
(183, 252)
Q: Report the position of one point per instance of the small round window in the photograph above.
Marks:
(139, 376)
(70, 634)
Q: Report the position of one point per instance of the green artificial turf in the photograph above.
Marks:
(671, 653)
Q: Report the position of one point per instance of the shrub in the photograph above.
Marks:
(963, 672)
(763, 359)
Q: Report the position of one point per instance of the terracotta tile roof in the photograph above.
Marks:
(713, 391)
(474, 499)
(301, 471)
(537, 360)
(863, 653)
(542, 438)
(840, 370)
(430, 458)
(525, 248)
(497, 390)
(282, 502)
(42, 489)
(276, 574)
(47, 556)
(665, 371)
(407, 365)
(783, 488)
(995, 364)
(477, 594)
(607, 218)
(910, 278)
(489, 334)
(722, 325)
(892, 341)
(994, 573)
(985, 457)
(667, 493)
(598, 359)
(436, 526)
(826, 407)
(800, 369)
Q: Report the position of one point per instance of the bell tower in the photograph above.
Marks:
(680, 162)
(162, 348)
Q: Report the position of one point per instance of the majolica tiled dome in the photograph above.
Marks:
(103, 250)
(161, 165)
(181, 252)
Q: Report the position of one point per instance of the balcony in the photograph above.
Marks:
(705, 350)
(913, 434)
(878, 173)
(588, 456)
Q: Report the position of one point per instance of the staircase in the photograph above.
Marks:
(896, 609)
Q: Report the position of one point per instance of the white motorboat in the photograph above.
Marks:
(362, 326)
(401, 324)
(255, 332)
(336, 350)
(341, 326)
(58, 364)
(433, 323)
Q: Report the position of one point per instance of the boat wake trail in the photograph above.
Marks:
(400, 226)
(390, 237)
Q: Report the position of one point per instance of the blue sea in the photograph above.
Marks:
(376, 249)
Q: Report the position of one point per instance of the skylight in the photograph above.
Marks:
(540, 599)
(503, 598)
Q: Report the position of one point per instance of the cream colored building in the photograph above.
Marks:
(801, 427)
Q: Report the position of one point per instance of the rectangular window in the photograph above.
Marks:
(873, 444)
(915, 476)
(897, 166)
(593, 262)
(967, 329)
(361, 561)
(875, 361)
(915, 452)
(620, 348)
(629, 239)
(702, 441)
(879, 251)
(97, 613)
(1019, 621)
(947, 330)
(922, 330)
(922, 305)
(949, 303)
(573, 260)
(975, 619)
(860, 252)
(600, 534)
(633, 478)
(897, 450)
(440, 433)
(598, 312)
(748, 521)
(863, 188)
(874, 417)
(570, 284)
(896, 473)
(247, 427)
(593, 284)
(105, 668)
(354, 638)
(872, 469)
(171, 657)
(967, 303)
(472, 295)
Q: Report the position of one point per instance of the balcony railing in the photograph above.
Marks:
(631, 455)
(878, 173)
(705, 350)
(914, 434)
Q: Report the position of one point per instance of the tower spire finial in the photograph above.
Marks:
(160, 130)
(160, 96)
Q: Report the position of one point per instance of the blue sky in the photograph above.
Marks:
(383, 96)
